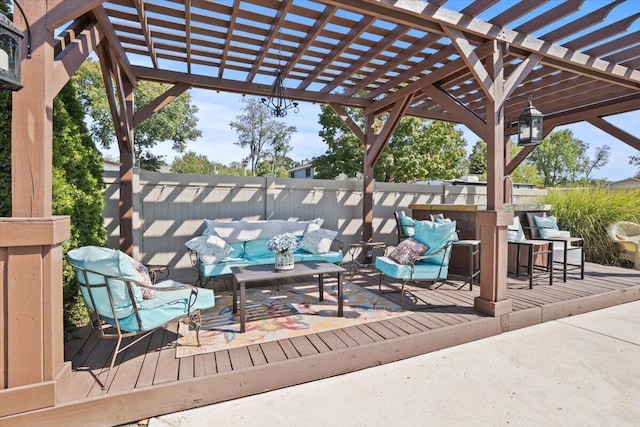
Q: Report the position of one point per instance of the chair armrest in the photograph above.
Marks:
(193, 295)
(439, 252)
(194, 258)
(337, 245)
(156, 270)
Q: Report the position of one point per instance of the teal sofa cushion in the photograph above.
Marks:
(422, 271)
(256, 248)
(165, 307)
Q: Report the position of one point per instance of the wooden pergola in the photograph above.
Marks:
(475, 65)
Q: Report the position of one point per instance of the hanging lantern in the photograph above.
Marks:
(10, 54)
(530, 126)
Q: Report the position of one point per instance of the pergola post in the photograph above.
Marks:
(368, 180)
(123, 118)
(494, 221)
(31, 326)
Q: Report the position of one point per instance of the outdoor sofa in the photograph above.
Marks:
(226, 244)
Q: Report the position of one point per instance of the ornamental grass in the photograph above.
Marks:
(589, 211)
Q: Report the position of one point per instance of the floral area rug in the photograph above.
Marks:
(292, 311)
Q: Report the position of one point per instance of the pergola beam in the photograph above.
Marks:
(342, 113)
(159, 103)
(144, 24)
(615, 131)
(67, 62)
(207, 82)
(101, 16)
(68, 10)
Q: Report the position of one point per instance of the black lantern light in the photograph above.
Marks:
(530, 126)
(11, 52)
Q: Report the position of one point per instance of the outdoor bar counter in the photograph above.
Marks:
(467, 226)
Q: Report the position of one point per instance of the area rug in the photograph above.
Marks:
(291, 311)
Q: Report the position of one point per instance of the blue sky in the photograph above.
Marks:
(217, 110)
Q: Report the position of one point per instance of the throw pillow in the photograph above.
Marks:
(211, 249)
(547, 227)
(436, 217)
(143, 277)
(435, 235)
(317, 240)
(515, 232)
(407, 250)
(447, 221)
(408, 225)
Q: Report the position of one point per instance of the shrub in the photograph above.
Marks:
(590, 211)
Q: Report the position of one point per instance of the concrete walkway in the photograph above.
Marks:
(579, 371)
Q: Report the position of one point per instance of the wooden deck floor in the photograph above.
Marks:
(149, 380)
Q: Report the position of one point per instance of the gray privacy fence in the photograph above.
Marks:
(169, 208)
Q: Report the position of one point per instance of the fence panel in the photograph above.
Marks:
(171, 208)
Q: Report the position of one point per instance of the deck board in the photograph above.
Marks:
(152, 362)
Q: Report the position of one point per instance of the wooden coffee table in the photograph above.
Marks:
(257, 273)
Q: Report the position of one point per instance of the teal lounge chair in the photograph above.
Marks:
(123, 303)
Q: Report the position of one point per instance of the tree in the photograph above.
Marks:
(77, 190)
(560, 159)
(422, 149)
(264, 135)
(176, 122)
(192, 162)
(478, 158)
(526, 172)
(600, 159)
(419, 149)
(344, 151)
(635, 161)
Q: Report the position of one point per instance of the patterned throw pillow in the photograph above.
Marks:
(407, 250)
(211, 249)
(142, 276)
(317, 240)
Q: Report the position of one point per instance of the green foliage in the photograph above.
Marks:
(345, 153)
(590, 211)
(192, 162)
(267, 166)
(176, 122)
(562, 160)
(557, 158)
(635, 160)
(266, 137)
(77, 190)
(419, 149)
(5, 153)
(478, 158)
